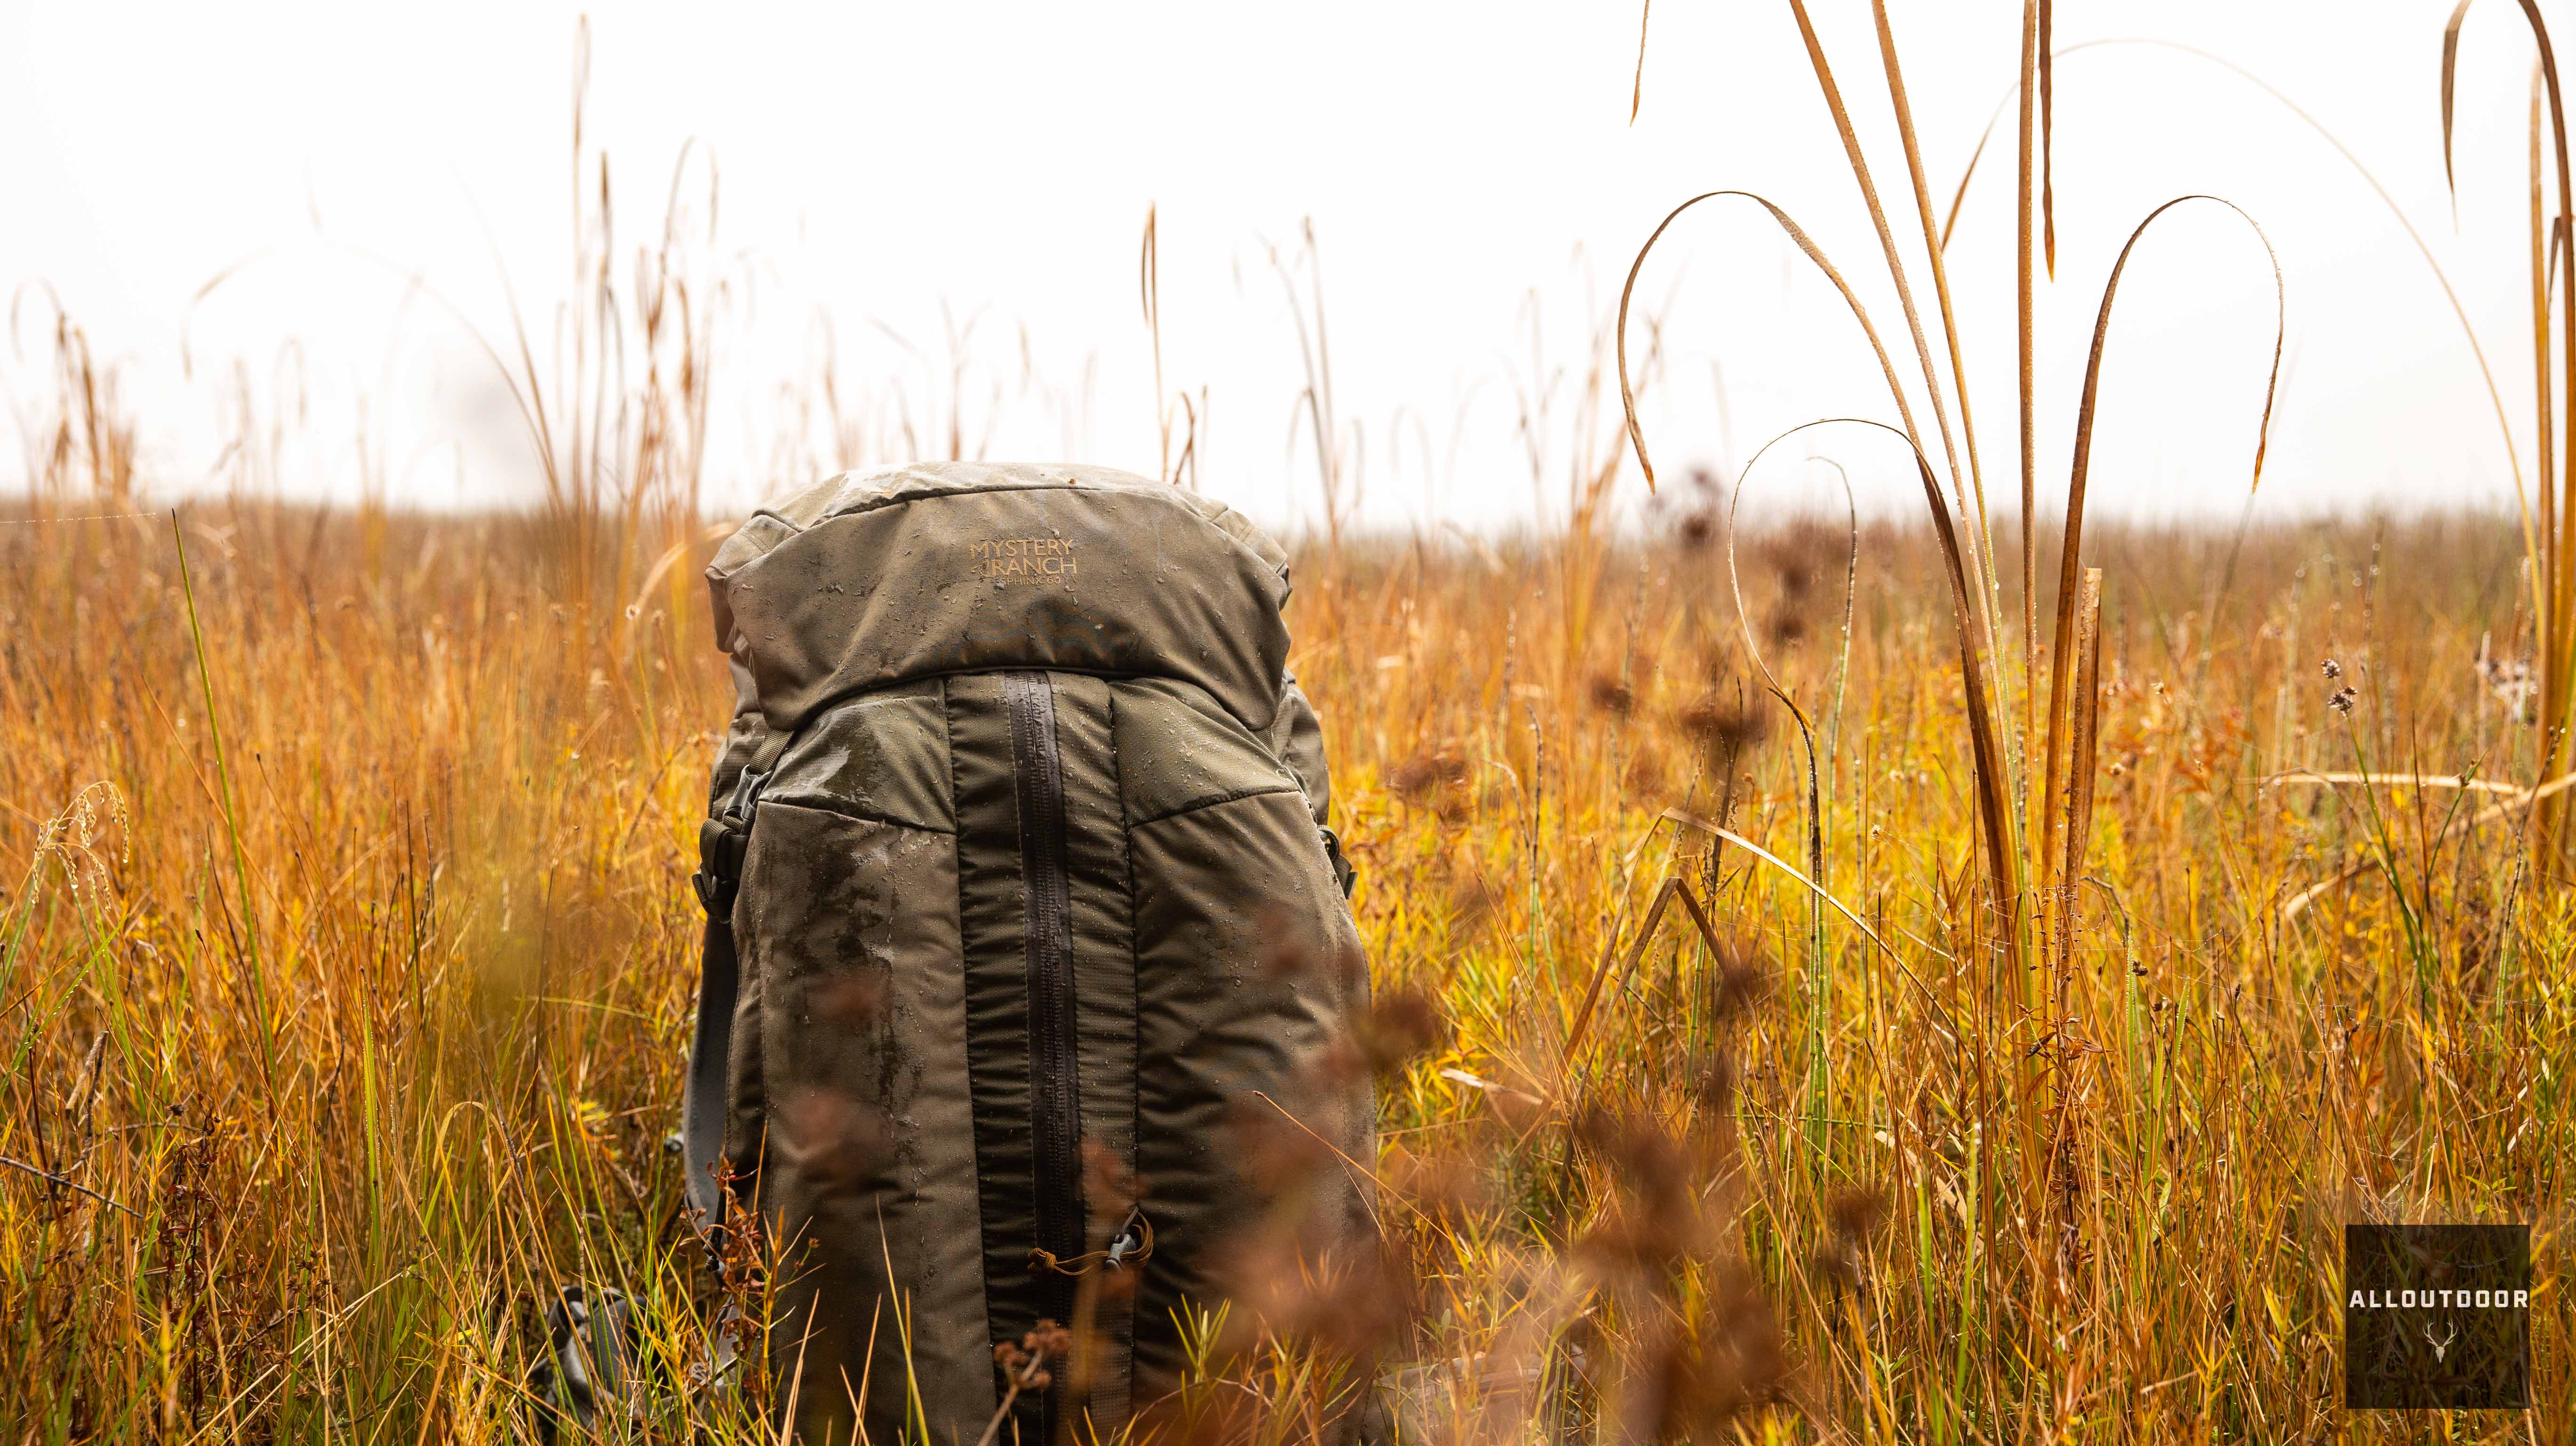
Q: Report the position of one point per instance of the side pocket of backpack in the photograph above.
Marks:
(867, 1164)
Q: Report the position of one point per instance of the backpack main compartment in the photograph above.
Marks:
(1035, 897)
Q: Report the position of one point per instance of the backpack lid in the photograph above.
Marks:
(952, 567)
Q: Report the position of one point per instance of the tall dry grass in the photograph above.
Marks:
(1786, 1035)
(295, 1146)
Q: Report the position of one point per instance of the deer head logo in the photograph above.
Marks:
(2441, 1347)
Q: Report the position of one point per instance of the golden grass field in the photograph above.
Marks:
(347, 952)
(372, 1017)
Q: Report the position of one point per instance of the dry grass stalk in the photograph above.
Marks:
(2553, 550)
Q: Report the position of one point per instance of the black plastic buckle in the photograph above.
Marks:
(1343, 873)
(720, 849)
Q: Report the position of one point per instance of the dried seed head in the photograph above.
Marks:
(2334, 670)
(1443, 1188)
(1852, 1214)
(1424, 774)
(1108, 1186)
(1713, 1085)
(1287, 952)
(1795, 573)
(1699, 1376)
(1400, 1024)
(1721, 725)
(1353, 1303)
(1801, 555)
(1471, 903)
(1734, 984)
(1612, 696)
(1272, 1151)
(1284, 957)
(1655, 1219)
(829, 1138)
(1644, 772)
(849, 1001)
(1339, 1063)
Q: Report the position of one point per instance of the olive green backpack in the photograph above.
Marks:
(1019, 893)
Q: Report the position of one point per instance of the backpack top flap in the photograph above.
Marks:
(952, 567)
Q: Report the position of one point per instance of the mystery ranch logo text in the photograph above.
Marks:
(2437, 1317)
(1006, 559)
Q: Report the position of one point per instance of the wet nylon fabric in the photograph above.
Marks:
(849, 926)
(881, 1081)
(1072, 569)
(1296, 738)
(1243, 978)
(881, 756)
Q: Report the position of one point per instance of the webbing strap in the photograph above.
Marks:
(702, 1102)
(722, 842)
(703, 1097)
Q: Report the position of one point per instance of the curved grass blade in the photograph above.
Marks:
(1637, 93)
(2559, 609)
(2537, 544)
(1806, 245)
(2441, 278)
(1993, 792)
(2070, 551)
(2522, 798)
(2450, 72)
(2047, 130)
(1735, 580)
(1886, 242)
(1716, 830)
(2396, 780)
(2025, 314)
(1983, 532)
(2085, 722)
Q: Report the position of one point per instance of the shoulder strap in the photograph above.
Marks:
(702, 1108)
(722, 841)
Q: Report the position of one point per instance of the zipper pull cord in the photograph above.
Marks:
(1131, 1246)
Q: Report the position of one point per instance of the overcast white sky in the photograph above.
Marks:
(1468, 167)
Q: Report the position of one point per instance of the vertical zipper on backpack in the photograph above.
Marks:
(1055, 1127)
